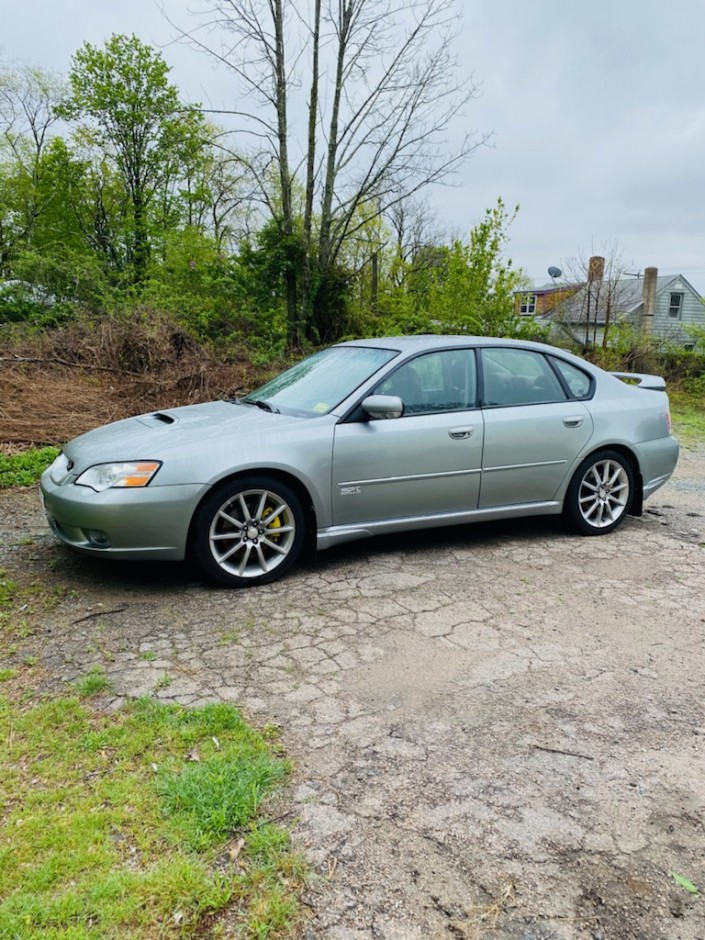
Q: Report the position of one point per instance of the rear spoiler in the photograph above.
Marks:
(642, 381)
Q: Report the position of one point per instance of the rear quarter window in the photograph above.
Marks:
(579, 383)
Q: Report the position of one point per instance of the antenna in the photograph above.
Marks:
(554, 272)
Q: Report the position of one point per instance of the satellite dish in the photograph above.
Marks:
(554, 272)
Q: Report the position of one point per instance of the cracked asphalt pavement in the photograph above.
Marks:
(498, 731)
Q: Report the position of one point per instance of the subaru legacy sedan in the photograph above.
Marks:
(366, 437)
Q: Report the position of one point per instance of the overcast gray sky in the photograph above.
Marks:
(597, 111)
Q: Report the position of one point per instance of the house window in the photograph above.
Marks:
(527, 307)
(676, 306)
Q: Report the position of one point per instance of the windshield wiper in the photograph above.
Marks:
(260, 403)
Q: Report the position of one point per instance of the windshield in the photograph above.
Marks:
(316, 385)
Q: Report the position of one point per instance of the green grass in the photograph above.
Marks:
(25, 469)
(93, 683)
(123, 825)
(688, 414)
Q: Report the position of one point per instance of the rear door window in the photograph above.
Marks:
(518, 377)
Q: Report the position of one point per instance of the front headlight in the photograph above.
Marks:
(103, 476)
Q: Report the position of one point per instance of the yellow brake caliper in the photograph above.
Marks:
(276, 524)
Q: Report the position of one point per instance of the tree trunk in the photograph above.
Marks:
(140, 240)
(329, 186)
(321, 304)
(287, 221)
(308, 261)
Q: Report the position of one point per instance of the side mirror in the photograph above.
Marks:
(381, 407)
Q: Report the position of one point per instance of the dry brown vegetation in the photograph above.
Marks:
(56, 385)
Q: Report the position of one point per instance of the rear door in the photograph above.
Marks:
(534, 429)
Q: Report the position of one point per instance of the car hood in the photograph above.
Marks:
(158, 434)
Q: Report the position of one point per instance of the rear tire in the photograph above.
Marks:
(600, 494)
(248, 531)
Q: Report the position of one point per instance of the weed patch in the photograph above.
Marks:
(118, 825)
(93, 683)
(25, 469)
(688, 413)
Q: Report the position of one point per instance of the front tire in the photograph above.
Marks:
(600, 493)
(248, 531)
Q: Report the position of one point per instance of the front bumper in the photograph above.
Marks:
(150, 522)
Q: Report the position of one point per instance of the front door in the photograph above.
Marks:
(428, 461)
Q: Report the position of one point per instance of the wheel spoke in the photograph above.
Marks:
(230, 519)
(282, 550)
(615, 476)
(245, 558)
(275, 514)
(231, 551)
(278, 529)
(243, 506)
(260, 509)
(260, 556)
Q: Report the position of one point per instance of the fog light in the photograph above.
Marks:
(97, 538)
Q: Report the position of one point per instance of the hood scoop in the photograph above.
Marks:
(157, 417)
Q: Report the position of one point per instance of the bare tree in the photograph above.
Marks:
(374, 82)
(415, 227)
(600, 289)
(28, 99)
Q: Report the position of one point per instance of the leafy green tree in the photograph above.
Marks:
(122, 97)
(467, 287)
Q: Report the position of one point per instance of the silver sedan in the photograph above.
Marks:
(366, 437)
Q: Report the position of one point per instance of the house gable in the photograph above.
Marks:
(677, 307)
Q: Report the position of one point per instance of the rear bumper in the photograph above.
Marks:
(657, 461)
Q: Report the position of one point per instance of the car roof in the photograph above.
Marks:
(430, 341)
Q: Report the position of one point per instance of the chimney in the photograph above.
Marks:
(596, 268)
(649, 295)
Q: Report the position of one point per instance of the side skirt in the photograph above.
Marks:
(337, 534)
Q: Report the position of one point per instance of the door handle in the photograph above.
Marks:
(460, 434)
(573, 421)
